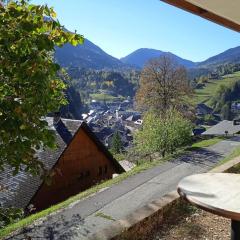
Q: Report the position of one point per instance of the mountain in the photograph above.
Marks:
(90, 56)
(87, 55)
(231, 55)
(141, 56)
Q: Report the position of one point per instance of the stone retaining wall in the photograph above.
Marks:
(141, 224)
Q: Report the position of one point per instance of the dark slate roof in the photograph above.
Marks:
(133, 118)
(103, 133)
(63, 132)
(21, 188)
(222, 127)
(198, 131)
(203, 109)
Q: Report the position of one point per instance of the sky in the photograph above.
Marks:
(120, 27)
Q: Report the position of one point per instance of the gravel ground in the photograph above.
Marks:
(199, 225)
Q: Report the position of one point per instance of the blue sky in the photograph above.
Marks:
(121, 26)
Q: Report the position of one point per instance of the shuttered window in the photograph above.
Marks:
(100, 171)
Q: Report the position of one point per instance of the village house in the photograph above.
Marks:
(235, 107)
(224, 128)
(213, 76)
(202, 109)
(79, 162)
(134, 117)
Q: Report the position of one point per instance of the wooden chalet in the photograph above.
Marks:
(79, 162)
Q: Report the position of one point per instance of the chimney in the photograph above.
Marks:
(56, 118)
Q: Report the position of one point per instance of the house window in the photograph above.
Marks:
(81, 176)
(100, 171)
(87, 174)
(105, 169)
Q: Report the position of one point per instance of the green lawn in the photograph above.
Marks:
(119, 156)
(207, 143)
(203, 95)
(105, 97)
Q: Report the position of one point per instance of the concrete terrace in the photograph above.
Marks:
(86, 217)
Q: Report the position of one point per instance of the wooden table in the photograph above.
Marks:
(218, 193)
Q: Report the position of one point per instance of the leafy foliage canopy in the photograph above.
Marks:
(29, 84)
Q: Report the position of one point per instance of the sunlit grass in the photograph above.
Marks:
(203, 95)
(105, 97)
(207, 143)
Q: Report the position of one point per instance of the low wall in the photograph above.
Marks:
(141, 224)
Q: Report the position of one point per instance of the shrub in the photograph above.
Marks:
(10, 215)
(163, 134)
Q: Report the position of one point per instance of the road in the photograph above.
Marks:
(94, 213)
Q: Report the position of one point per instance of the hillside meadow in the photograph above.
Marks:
(203, 95)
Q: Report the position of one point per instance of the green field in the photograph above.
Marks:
(203, 95)
(105, 97)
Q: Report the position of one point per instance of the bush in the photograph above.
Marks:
(163, 134)
(10, 215)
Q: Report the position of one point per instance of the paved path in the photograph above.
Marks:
(98, 211)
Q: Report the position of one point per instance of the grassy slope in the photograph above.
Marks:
(144, 166)
(203, 95)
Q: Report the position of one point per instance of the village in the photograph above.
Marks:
(107, 118)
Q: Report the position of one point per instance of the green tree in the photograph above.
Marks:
(75, 106)
(226, 112)
(30, 85)
(222, 100)
(203, 79)
(162, 134)
(116, 144)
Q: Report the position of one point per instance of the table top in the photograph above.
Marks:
(218, 193)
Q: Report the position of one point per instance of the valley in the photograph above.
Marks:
(103, 88)
(84, 132)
